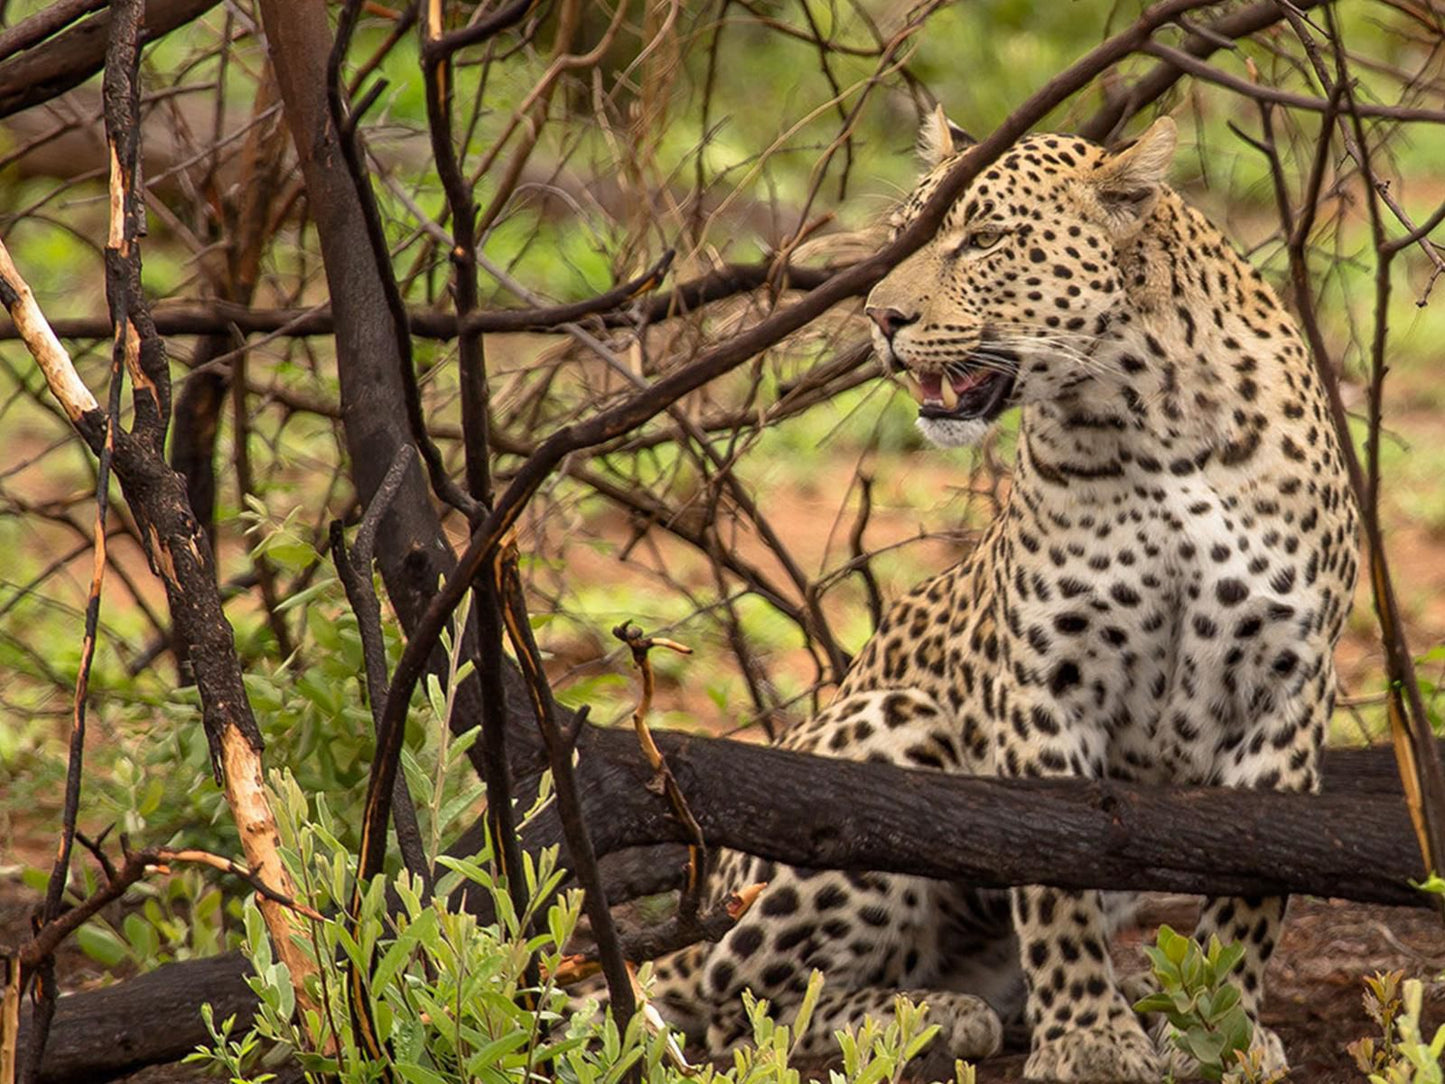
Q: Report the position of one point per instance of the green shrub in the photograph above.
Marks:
(1203, 1008)
(451, 999)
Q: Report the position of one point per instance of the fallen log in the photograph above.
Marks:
(147, 1020)
(1348, 842)
(1354, 841)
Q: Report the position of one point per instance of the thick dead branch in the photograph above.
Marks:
(70, 58)
(626, 304)
(993, 832)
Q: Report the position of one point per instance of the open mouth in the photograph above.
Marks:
(966, 395)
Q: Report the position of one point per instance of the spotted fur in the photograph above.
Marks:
(1158, 601)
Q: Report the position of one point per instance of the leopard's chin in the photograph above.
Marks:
(949, 432)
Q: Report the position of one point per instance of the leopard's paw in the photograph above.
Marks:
(970, 1030)
(1117, 1054)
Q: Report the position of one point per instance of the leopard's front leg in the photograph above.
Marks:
(1084, 1029)
(1280, 754)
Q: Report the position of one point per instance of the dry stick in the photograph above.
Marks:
(40, 949)
(1353, 145)
(484, 30)
(640, 645)
(1410, 731)
(859, 553)
(621, 306)
(560, 748)
(9, 1018)
(45, 22)
(67, 59)
(123, 346)
(46, 990)
(136, 865)
(646, 405)
(1211, 74)
(355, 573)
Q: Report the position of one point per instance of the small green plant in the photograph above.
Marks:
(232, 1056)
(1382, 1005)
(451, 997)
(1203, 1008)
(184, 917)
(1401, 1055)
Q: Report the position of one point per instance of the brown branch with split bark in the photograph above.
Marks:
(175, 546)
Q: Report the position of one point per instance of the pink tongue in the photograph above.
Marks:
(963, 383)
(932, 385)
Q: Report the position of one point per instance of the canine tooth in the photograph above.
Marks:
(950, 397)
(915, 389)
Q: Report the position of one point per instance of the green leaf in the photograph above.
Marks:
(1205, 1045)
(497, 1049)
(101, 944)
(1156, 1002)
(142, 937)
(417, 1074)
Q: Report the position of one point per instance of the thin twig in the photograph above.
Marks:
(640, 644)
(355, 573)
(678, 932)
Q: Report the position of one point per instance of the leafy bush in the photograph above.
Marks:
(1203, 1008)
(451, 997)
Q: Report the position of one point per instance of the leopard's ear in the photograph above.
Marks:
(1127, 182)
(940, 138)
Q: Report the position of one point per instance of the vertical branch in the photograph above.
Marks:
(9, 1016)
(355, 573)
(345, 124)
(569, 802)
(124, 354)
(1420, 769)
(475, 394)
(476, 440)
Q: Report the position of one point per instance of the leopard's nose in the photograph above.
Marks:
(889, 320)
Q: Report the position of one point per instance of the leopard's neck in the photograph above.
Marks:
(1201, 368)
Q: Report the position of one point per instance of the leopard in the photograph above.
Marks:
(1157, 601)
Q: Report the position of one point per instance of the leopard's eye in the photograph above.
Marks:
(983, 239)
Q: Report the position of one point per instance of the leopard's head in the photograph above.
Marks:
(1006, 304)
